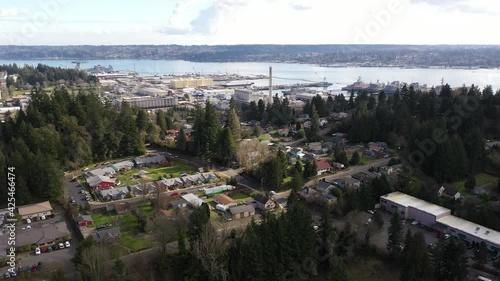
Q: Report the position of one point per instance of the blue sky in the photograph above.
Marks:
(188, 22)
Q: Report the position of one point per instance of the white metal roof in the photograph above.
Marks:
(471, 228)
(410, 201)
(193, 199)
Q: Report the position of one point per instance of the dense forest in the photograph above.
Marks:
(63, 131)
(44, 75)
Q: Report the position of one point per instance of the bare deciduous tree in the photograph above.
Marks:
(93, 260)
(211, 250)
(252, 152)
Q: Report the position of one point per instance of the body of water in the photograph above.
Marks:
(291, 73)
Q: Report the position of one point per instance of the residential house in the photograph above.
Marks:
(107, 171)
(324, 186)
(84, 220)
(311, 194)
(149, 160)
(225, 200)
(43, 235)
(123, 165)
(449, 191)
(114, 193)
(264, 203)
(179, 203)
(122, 208)
(485, 189)
(100, 182)
(193, 179)
(242, 211)
(329, 198)
(370, 153)
(297, 153)
(315, 147)
(107, 235)
(365, 177)
(311, 157)
(142, 189)
(171, 183)
(209, 177)
(36, 210)
(192, 199)
(322, 167)
(378, 147)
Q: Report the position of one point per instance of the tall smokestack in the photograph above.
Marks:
(270, 84)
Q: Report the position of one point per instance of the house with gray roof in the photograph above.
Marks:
(179, 203)
(324, 186)
(192, 199)
(114, 193)
(241, 211)
(209, 177)
(123, 165)
(193, 179)
(171, 183)
(107, 235)
(143, 188)
(149, 160)
(107, 171)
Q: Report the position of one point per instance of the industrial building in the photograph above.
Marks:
(152, 92)
(191, 83)
(246, 96)
(439, 218)
(149, 102)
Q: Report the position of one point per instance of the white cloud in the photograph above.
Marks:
(11, 12)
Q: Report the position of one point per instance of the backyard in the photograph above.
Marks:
(131, 235)
(240, 197)
(154, 173)
(481, 179)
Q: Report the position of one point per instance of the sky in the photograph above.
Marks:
(216, 22)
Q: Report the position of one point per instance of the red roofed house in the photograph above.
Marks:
(322, 167)
(100, 182)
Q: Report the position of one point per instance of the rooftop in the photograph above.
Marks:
(224, 199)
(193, 199)
(35, 208)
(410, 201)
(47, 233)
(472, 229)
(95, 180)
(241, 209)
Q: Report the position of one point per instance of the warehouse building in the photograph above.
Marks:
(191, 82)
(439, 218)
(148, 102)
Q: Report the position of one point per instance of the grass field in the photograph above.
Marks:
(129, 228)
(154, 173)
(480, 180)
(240, 197)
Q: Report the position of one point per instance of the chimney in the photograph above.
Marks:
(270, 84)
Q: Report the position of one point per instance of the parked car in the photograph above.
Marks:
(371, 212)
(414, 222)
(67, 244)
(61, 246)
(33, 268)
(174, 194)
(28, 221)
(49, 249)
(40, 265)
(446, 236)
(38, 251)
(184, 192)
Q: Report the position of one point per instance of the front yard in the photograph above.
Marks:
(154, 173)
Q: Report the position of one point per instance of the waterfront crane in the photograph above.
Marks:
(322, 78)
(78, 63)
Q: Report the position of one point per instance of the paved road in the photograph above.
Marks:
(354, 170)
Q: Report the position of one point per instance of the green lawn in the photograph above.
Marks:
(155, 173)
(129, 228)
(147, 208)
(263, 137)
(364, 160)
(240, 197)
(481, 179)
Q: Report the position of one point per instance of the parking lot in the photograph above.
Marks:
(74, 189)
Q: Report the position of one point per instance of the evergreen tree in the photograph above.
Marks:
(394, 233)
(470, 183)
(197, 221)
(312, 133)
(161, 120)
(181, 143)
(233, 123)
(450, 261)
(142, 120)
(354, 159)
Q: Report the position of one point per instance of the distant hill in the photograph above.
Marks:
(481, 56)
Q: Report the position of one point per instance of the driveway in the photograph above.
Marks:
(74, 188)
